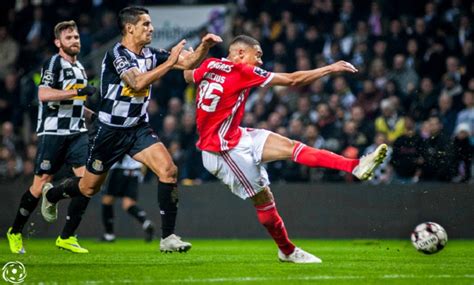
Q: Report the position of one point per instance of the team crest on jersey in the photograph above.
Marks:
(148, 63)
(48, 77)
(121, 64)
(97, 165)
(45, 165)
(260, 72)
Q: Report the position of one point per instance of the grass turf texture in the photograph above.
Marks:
(245, 261)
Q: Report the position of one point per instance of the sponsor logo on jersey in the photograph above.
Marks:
(220, 66)
(260, 72)
(48, 77)
(68, 73)
(129, 92)
(121, 64)
(97, 165)
(45, 165)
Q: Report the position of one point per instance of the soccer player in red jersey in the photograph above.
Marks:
(235, 155)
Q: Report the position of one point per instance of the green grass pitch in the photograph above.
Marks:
(245, 262)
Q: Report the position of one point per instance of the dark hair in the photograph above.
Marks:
(245, 40)
(130, 15)
(61, 26)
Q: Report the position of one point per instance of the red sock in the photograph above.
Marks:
(268, 216)
(313, 157)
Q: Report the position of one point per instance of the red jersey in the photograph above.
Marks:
(223, 89)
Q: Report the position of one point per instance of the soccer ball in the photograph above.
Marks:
(429, 237)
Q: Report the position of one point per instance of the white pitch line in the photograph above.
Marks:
(257, 279)
(320, 277)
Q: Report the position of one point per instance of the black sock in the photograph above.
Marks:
(108, 218)
(76, 209)
(137, 213)
(168, 202)
(67, 188)
(28, 204)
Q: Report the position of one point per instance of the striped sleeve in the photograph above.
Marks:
(121, 60)
(50, 72)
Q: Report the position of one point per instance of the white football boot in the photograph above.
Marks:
(174, 243)
(48, 210)
(298, 256)
(369, 162)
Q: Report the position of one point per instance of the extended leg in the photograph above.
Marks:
(268, 216)
(281, 148)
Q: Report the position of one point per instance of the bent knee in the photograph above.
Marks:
(262, 198)
(89, 191)
(169, 172)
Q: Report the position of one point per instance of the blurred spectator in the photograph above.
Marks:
(9, 96)
(403, 75)
(353, 137)
(389, 123)
(424, 101)
(304, 112)
(463, 153)
(9, 139)
(438, 153)
(364, 125)
(343, 91)
(465, 31)
(378, 73)
(295, 130)
(108, 29)
(312, 137)
(327, 123)
(8, 52)
(433, 60)
(37, 28)
(396, 39)
(406, 159)
(169, 133)
(452, 88)
(413, 59)
(368, 99)
(447, 114)
(375, 19)
(191, 168)
(466, 115)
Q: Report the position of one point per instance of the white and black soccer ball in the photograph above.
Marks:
(429, 238)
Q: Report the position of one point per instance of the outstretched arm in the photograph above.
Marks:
(190, 60)
(138, 80)
(300, 78)
(46, 94)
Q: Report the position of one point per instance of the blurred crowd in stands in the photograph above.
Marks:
(414, 89)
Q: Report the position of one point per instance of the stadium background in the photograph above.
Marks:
(414, 91)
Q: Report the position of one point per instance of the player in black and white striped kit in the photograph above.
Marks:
(122, 182)
(128, 70)
(62, 136)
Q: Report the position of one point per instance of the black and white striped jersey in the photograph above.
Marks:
(62, 117)
(120, 105)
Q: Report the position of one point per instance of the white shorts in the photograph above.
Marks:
(240, 168)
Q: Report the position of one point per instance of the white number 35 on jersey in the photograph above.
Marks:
(207, 91)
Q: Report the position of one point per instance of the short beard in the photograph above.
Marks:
(71, 52)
